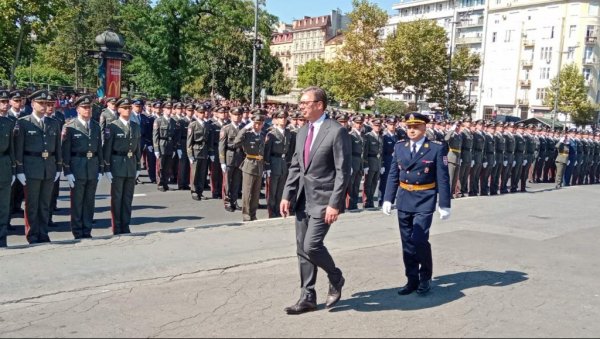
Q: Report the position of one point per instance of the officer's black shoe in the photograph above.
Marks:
(229, 208)
(424, 287)
(335, 293)
(196, 197)
(302, 306)
(407, 289)
(163, 188)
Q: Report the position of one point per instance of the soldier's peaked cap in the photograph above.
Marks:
(416, 118)
(84, 100)
(40, 95)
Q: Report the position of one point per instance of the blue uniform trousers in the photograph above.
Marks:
(416, 250)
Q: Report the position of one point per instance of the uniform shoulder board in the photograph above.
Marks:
(435, 142)
(401, 141)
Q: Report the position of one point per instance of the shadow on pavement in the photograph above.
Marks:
(445, 289)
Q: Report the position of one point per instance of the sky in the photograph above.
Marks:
(288, 10)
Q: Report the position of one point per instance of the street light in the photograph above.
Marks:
(256, 43)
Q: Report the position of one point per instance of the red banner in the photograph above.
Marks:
(113, 78)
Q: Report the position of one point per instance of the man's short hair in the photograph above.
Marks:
(319, 94)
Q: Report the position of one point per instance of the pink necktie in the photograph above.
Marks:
(307, 144)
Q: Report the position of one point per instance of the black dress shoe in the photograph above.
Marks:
(229, 209)
(302, 306)
(407, 289)
(424, 287)
(196, 197)
(335, 293)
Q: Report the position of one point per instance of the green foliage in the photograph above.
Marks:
(315, 72)
(390, 107)
(572, 98)
(42, 74)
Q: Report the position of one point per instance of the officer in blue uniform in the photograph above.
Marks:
(419, 173)
(389, 141)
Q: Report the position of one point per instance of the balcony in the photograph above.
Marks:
(525, 83)
(468, 40)
(591, 40)
(590, 62)
(469, 23)
(523, 102)
(527, 63)
(528, 43)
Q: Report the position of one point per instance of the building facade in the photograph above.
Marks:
(281, 47)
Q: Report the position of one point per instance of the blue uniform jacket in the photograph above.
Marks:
(146, 126)
(389, 142)
(430, 165)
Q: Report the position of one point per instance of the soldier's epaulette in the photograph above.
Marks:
(401, 140)
(436, 142)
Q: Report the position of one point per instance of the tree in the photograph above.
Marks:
(315, 72)
(415, 67)
(572, 98)
(357, 71)
(390, 107)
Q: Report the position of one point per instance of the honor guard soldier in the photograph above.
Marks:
(231, 159)
(183, 177)
(109, 114)
(530, 155)
(165, 137)
(357, 140)
(509, 156)
(14, 113)
(38, 157)
(478, 146)
(419, 175)
(562, 160)
(519, 159)
(83, 165)
(52, 113)
(277, 145)
(542, 154)
(122, 165)
(372, 162)
(489, 158)
(501, 162)
(389, 142)
(252, 143)
(147, 127)
(7, 165)
(198, 142)
(466, 156)
(216, 173)
(453, 139)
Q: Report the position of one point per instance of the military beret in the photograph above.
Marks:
(190, 107)
(123, 102)
(40, 95)
(84, 100)
(416, 118)
(111, 99)
(16, 94)
(237, 111)
(4, 95)
(258, 118)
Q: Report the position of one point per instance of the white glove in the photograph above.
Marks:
(174, 155)
(192, 159)
(21, 178)
(382, 170)
(525, 162)
(387, 208)
(546, 159)
(366, 170)
(485, 165)
(150, 148)
(249, 126)
(514, 163)
(12, 181)
(268, 173)
(562, 139)
(444, 213)
(454, 126)
(575, 164)
(180, 153)
(157, 155)
(71, 180)
(460, 162)
(351, 171)
(505, 163)
(57, 176)
(212, 158)
(568, 163)
(472, 163)
(224, 168)
(137, 174)
(109, 177)
(99, 176)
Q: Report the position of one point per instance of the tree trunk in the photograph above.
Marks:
(17, 53)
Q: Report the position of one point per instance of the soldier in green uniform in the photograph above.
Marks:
(562, 159)
(357, 140)
(277, 144)
(166, 138)
(198, 142)
(453, 138)
(531, 148)
(520, 161)
(252, 143)
(489, 158)
(38, 158)
(478, 148)
(83, 165)
(52, 113)
(108, 115)
(466, 156)
(216, 173)
(541, 158)
(122, 164)
(509, 157)
(231, 159)
(183, 176)
(373, 148)
(7, 165)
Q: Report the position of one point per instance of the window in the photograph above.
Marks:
(593, 9)
(494, 35)
(572, 30)
(439, 7)
(552, 32)
(407, 96)
(546, 54)
(507, 35)
(589, 54)
(545, 73)
(570, 53)
(540, 94)
(587, 74)
(590, 31)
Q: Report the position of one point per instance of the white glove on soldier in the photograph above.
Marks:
(150, 148)
(444, 213)
(224, 168)
(212, 158)
(505, 163)
(22, 179)
(157, 155)
(387, 208)
(382, 170)
(109, 177)
(268, 173)
(180, 153)
(514, 163)
(524, 162)
(99, 176)
(485, 165)
(71, 180)
(366, 170)
(57, 176)
(137, 174)
(472, 163)
(12, 180)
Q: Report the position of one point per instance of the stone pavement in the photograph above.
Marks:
(519, 265)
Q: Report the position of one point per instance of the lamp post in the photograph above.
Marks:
(560, 53)
(448, 77)
(254, 51)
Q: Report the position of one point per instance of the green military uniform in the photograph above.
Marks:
(39, 159)
(107, 116)
(7, 168)
(478, 146)
(530, 155)
(165, 139)
(253, 145)
(198, 141)
(454, 141)
(60, 117)
(122, 158)
(373, 148)
(466, 160)
(277, 144)
(562, 146)
(520, 146)
(489, 160)
(232, 157)
(83, 159)
(500, 162)
(509, 158)
(357, 165)
(183, 175)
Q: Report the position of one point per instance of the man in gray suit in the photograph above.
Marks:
(318, 178)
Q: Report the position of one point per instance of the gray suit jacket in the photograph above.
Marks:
(324, 179)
